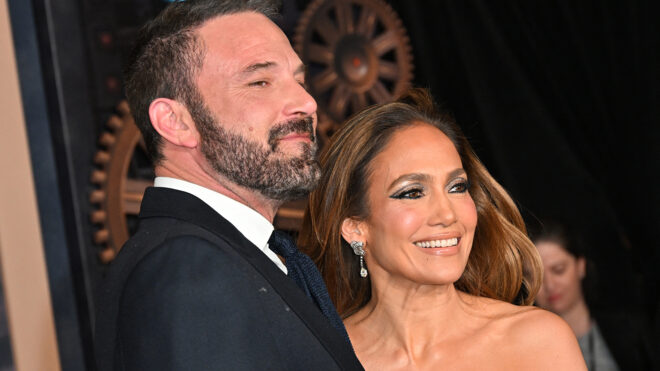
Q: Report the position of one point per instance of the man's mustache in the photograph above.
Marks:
(299, 126)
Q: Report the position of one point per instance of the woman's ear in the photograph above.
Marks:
(173, 122)
(354, 230)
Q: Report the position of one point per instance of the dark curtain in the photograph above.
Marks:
(560, 100)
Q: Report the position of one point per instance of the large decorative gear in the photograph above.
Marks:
(357, 53)
(123, 173)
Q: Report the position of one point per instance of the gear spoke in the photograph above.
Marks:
(326, 80)
(358, 101)
(380, 93)
(320, 54)
(388, 70)
(385, 42)
(327, 29)
(366, 23)
(344, 13)
(339, 99)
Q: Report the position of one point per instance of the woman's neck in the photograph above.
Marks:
(411, 318)
(578, 318)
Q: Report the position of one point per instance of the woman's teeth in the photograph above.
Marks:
(438, 243)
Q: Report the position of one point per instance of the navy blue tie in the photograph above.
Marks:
(304, 273)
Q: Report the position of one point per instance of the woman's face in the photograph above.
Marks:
(422, 218)
(562, 276)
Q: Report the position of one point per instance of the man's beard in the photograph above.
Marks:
(247, 163)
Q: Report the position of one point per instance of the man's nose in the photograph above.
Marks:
(300, 102)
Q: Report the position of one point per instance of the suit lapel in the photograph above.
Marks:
(165, 202)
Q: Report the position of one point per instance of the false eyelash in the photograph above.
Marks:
(465, 184)
(404, 193)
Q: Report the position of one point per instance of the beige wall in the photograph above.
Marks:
(27, 296)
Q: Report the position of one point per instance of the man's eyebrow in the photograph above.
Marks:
(267, 65)
(256, 67)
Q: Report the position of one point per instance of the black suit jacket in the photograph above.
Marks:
(189, 292)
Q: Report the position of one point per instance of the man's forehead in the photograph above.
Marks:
(241, 30)
(247, 40)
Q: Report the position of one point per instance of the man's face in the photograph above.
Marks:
(257, 122)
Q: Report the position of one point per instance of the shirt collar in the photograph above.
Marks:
(254, 226)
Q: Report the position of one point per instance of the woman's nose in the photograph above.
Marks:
(443, 211)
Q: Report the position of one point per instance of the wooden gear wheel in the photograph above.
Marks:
(122, 175)
(357, 54)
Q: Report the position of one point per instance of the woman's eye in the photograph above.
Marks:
(412, 194)
(460, 187)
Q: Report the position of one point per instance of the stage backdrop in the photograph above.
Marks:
(559, 98)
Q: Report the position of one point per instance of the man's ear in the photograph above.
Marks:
(354, 230)
(173, 122)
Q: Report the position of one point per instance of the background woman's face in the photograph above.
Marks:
(422, 218)
(562, 276)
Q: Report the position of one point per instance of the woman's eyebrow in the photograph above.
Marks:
(422, 177)
(456, 172)
(417, 177)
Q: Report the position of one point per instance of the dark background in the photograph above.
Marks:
(559, 99)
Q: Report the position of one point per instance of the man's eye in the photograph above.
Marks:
(261, 83)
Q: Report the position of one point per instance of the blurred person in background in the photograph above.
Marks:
(614, 341)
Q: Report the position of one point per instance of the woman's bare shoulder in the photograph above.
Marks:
(546, 341)
(528, 337)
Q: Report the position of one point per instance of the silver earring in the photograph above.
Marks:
(358, 249)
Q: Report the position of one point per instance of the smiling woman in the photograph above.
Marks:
(443, 243)
(421, 199)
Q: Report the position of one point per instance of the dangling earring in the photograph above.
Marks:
(358, 249)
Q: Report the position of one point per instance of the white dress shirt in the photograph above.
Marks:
(250, 223)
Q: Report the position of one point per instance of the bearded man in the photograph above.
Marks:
(218, 94)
